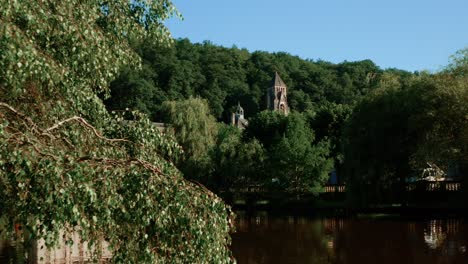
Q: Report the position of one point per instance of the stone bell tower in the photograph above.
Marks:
(238, 119)
(277, 99)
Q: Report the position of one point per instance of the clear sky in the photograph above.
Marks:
(406, 34)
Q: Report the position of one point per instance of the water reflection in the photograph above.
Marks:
(434, 236)
(441, 235)
(267, 239)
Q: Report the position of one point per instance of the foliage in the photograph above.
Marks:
(301, 164)
(67, 164)
(377, 144)
(238, 162)
(267, 127)
(459, 63)
(134, 90)
(328, 121)
(442, 123)
(195, 129)
(382, 125)
(294, 158)
(393, 133)
(226, 76)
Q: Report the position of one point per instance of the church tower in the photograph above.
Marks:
(238, 119)
(277, 99)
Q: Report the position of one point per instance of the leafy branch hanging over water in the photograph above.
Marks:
(133, 203)
(67, 164)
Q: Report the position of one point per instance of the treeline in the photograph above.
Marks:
(274, 149)
(406, 131)
(377, 128)
(226, 76)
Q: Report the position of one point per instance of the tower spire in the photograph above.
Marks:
(277, 95)
(277, 81)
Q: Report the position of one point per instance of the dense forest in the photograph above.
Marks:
(375, 126)
(226, 76)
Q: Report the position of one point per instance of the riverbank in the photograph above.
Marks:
(341, 208)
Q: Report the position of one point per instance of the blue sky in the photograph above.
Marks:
(406, 34)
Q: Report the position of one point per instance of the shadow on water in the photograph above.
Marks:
(263, 238)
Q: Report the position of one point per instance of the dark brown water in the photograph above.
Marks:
(266, 239)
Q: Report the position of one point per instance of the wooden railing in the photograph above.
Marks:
(334, 188)
(433, 186)
(427, 186)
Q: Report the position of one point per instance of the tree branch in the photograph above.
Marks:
(86, 124)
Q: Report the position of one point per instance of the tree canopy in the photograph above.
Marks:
(195, 129)
(68, 164)
(295, 159)
(393, 133)
(226, 76)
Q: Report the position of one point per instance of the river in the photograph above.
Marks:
(377, 239)
(265, 239)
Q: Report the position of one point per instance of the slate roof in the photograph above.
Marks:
(243, 123)
(277, 81)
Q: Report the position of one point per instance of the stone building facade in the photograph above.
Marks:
(277, 98)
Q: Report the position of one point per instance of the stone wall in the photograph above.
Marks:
(78, 252)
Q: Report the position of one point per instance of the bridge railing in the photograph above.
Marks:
(434, 186)
(426, 186)
(334, 188)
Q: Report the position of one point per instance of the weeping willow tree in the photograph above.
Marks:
(68, 164)
(398, 130)
(195, 129)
